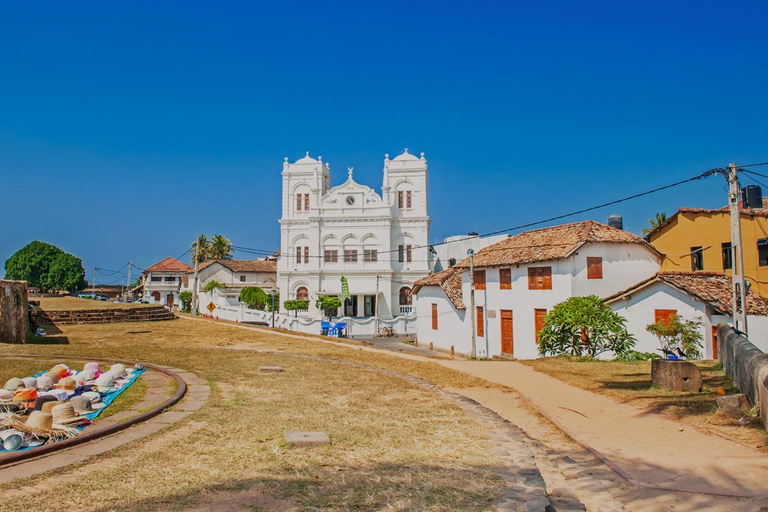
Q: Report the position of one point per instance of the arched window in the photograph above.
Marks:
(156, 296)
(405, 296)
(302, 294)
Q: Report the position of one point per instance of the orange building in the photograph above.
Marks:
(696, 239)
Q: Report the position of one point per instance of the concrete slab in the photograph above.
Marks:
(171, 417)
(307, 438)
(271, 369)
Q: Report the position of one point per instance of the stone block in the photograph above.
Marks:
(733, 405)
(676, 375)
(271, 369)
(307, 438)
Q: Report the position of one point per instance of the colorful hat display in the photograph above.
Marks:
(43, 382)
(105, 382)
(29, 382)
(14, 384)
(25, 396)
(64, 414)
(67, 383)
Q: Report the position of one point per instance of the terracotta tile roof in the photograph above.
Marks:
(712, 288)
(242, 265)
(169, 264)
(449, 281)
(550, 243)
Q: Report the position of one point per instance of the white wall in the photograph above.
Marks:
(451, 328)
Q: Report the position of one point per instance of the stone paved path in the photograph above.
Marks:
(157, 392)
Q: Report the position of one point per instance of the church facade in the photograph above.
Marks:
(377, 242)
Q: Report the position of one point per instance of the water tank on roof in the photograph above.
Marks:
(752, 196)
(615, 221)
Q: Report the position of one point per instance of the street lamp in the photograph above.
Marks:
(273, 307)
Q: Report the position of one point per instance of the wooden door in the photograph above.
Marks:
(539, 315)
(507, 336)
(715, 354)
(169, 300)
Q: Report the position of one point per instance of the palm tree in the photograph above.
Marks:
(201, 248)
(660, 219)
(220, 248)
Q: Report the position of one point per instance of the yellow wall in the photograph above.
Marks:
(709, 230)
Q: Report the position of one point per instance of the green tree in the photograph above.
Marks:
(214, 284)
(254, 296)
(584, 326)
(186, 299)
(296, 305)
(678, 333)
(329, 304)
(220, 248)
(34, 262)
(201, 249)
(657, 221)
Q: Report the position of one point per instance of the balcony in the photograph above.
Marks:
(408, 310)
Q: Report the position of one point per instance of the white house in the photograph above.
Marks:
(378, 242)
(162, 282)
(518, 280)
(235, 275)
(690, 295)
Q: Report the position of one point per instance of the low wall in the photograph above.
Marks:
(103, 316)
(14, 324)
(746, 365)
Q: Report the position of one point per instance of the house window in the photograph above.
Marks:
(302, 294)
(762, 252)
(480, 322)
(451, 262)
(479, 279)
(156, 279)
(539, 278)
(408, 254)
(434, 317)
(505, 279)
(594, 267)
(331, 256)
(664, 315)
(298, 255)
(370, 255)
(242, 279)
(350, 255)
(727, 256)
(298, 202)
(400, 199)
(697, 258)
(404, 253)
(170, 279)
(306, 202)
(405, 296)
(306, 255)
(408, 199)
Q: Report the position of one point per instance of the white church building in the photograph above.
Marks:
(378, 242)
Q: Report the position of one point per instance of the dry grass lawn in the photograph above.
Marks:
(394, 445)
(74, 303)
(630, 382)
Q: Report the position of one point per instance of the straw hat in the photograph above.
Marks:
(43, 382)
(25, 396)
(48, 406)
(38, 424)
(62, 369)
(67, 383)
(14, 384)
(5, 395)
(64, 414)
(118, 369)
(82, 405)
(54, 376)
(42, 400)
(29, 382)
(105, 382)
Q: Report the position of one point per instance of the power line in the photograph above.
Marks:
(754, 165)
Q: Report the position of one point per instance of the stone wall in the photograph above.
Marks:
(103, 316)
(13, 312)
(746, 365)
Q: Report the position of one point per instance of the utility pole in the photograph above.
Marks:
(376, 308)
(471, 254)
(128, 288)
(194, 285)
(273, 308)
(739, 297)
(93, 285)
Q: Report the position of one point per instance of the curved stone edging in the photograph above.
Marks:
(15, 457)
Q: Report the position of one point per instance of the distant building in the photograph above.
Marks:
(378, 242)
(699, 240)
(162, 282)
(236, 275)
(454, 248)
(520, 279)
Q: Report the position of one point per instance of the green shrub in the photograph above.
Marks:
(214, 284)
(678, 333)
(254, 296)
(186, 300)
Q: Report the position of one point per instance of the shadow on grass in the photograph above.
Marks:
(47, 340)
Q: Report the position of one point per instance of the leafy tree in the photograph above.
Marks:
(47, 267)
(214, 284)
(186, 299)
(201, 249)
(296, 305)
(276, 302)
(220, 248)
(328, 303)
(655, 222)
(584, 326)
(678, 333)
(254, 296)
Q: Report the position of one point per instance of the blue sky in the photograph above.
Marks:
(128, 129)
